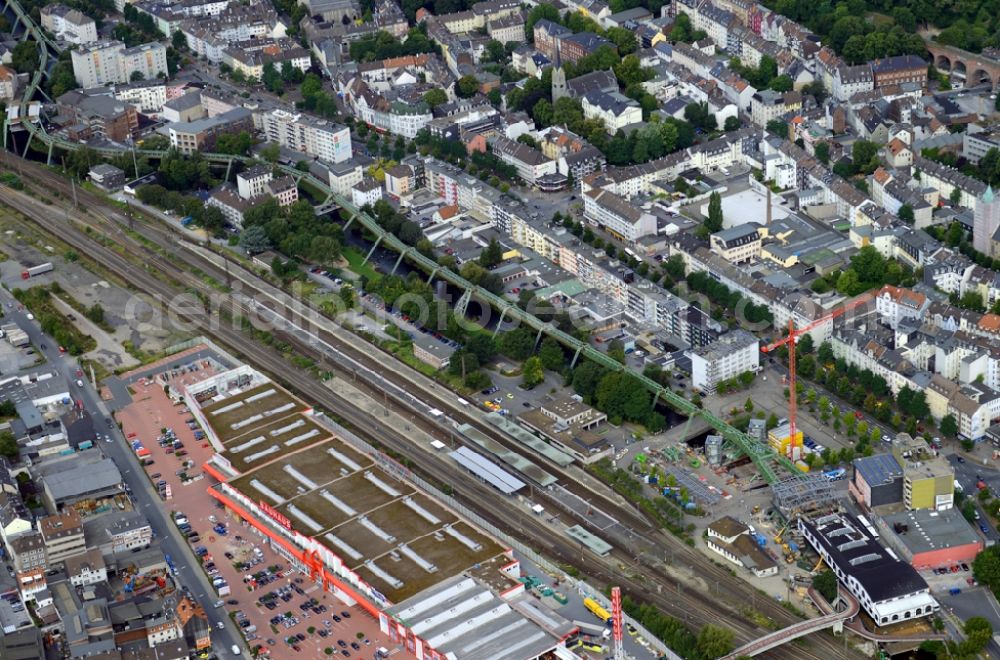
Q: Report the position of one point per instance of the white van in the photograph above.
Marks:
(236, 650)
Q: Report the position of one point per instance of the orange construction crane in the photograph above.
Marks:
(793, 337)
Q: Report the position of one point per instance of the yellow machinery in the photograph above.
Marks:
(778, 536)
(818, 564)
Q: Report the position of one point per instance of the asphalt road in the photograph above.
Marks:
(968, 474)
(975, 602)
(145, 499)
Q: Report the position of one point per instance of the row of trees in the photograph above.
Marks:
(865, 390)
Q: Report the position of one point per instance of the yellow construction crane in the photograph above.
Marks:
(777, 537)
(818, 564)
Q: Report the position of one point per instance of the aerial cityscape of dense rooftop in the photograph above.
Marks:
(499, 330)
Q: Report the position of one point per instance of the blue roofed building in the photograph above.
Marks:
(876, 480)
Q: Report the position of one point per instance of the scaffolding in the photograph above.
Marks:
(803, 495)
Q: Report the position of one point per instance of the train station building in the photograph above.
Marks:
(348, 517)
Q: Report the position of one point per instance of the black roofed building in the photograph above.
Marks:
(889, 590)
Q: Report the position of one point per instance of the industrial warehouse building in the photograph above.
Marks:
(889, 590)
(929, 539)
(438, 586)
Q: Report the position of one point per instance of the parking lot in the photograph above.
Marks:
(268, 599)
(279, 611)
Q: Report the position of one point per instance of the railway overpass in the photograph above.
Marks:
(975, 68)
(835, 620)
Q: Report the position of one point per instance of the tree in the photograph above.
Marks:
(178, 40)
(714, 641)
(254, 239)
(905, 214)
(517, 344)
(24, 57)
(623, 39)
(949, 426)
(494, 51)
(714, 221)
(826, 584)
(8, 445)
(96, 313)
(463, 363)
(532, 372)
(731, 124)
(492, 254)
(586, 377)
(782, 83)
(347, 296)
(616, 350)
(865, 156)
(778, 127)
(823, 152)
(551, 354)
(435, 97)
(978, 633)
(482, 346)
(467, 86)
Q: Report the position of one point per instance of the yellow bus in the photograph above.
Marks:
(596, 609)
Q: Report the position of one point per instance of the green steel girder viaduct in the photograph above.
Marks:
(768, 462)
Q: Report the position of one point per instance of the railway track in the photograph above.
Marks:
(689, 605)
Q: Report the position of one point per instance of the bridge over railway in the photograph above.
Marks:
(833, 620)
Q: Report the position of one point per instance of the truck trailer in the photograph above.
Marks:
(28, 273)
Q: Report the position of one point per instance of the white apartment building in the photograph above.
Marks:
(617, 216)
(531, 164)
(86, 568)
(738, 245)
(367, 192)
(616, 110)
(315, 137)
(893, 304)
(149, 60)
(148, 95)
(68, 25)
(850, 80)
(344, 176)
(727, 357)
(108, 62)
(253, 182)
(98, 64)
